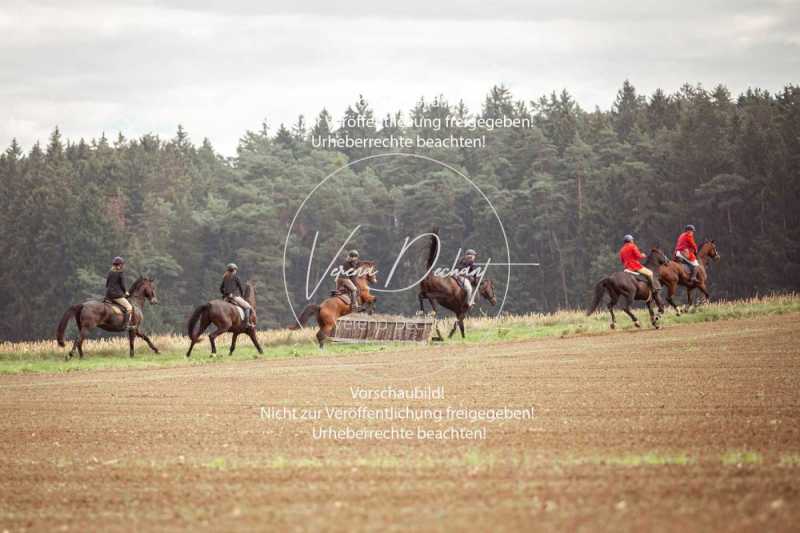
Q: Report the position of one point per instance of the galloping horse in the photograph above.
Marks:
(674, 273)
(447, 292)
(226, 317)
(630, 288)
(96, 314)
(335, 306)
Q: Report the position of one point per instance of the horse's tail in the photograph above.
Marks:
(191, 326)
(433, 248)
(73, 311)
(311, 309)
(599, 291)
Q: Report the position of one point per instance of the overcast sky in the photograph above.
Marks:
(219, 68)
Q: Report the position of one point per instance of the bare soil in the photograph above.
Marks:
(691, 427)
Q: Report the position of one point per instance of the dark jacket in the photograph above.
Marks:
(115, 285)
(231, 285)
(351, 264)
(468, 266)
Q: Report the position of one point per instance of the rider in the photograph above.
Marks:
(630, 255)
(686, 251)
(466, 272)
(347, 276)
(116, 291)
(231, 289)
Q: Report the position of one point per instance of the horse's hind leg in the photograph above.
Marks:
(147, 340)
(453, 331)
(461, 327)
(191, 345)
(671, 289)
(82, 334)
(212, 337)
(627, 309)
(611, 305)
(689, 302)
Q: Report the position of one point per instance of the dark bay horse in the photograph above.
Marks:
(96, 314)
(629, 288)
(226, 317)
(446, 291)
(336, 306)
(674, 274)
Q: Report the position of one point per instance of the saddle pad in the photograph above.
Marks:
(241, 313)
(115, 307)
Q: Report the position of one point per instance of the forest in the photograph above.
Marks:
(566, 189)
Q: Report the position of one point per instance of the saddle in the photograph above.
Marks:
(115, 307)
(239, 309)
(342, 294)
(637, 276)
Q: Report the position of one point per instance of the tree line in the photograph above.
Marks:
(566, 190)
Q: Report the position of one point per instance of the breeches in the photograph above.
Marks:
(124, 303)
(241, 302)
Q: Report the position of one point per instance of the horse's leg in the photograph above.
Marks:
(611, 303)
(147, 340)
(461, 326)
(252, 334)
(627, 309)
(212, 337)
(191, 345)
(131, 336)
(452, 331)
(653, 317)
(233, 343)
(421, 298)
(705, 292)
(82, 334)
(671, 289)
(689, 302)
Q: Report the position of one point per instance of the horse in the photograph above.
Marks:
(447, 292)
(674, 274)
(104, 315)
(226, 317)
(630, 288)
(336, 306)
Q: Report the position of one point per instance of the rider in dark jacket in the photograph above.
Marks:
(466, 272)
(116, 290)
(351, 264)
(231, 289)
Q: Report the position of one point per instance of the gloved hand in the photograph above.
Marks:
(127, 295)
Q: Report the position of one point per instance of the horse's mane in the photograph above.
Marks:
(136, 284)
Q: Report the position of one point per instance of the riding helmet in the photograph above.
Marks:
(690, 227)
(470, 252)
(353, 254)
(232, 267)
(118, 261)
(628, 238)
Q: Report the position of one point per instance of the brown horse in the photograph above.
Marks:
(674, 273)
(630, 288)
(226, 317)
(447, 292)
(95, 314)
(336, 306)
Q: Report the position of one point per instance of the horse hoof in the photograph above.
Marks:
(613, 326)
(637, 324)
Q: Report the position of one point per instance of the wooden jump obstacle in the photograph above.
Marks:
(366, 328)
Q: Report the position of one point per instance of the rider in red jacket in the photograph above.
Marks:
(630, 256)
(686, 251)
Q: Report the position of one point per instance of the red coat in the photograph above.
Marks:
(686, 245)
(630, 254)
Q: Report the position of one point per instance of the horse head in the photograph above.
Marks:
(486, 289)
(659, 257)
(146, 288)
(709, 249)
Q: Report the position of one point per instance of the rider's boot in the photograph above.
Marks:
(354, 301)
(693, 276)
(247, 313)
(126, 318)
